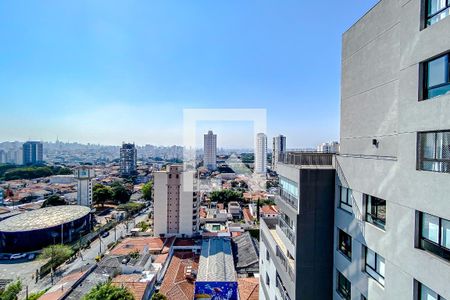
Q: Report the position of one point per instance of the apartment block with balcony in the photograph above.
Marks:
(392, 231)
(176, 206)
(296, 249)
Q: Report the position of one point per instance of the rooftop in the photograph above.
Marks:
(248, 288)
(178, 283)
(141, 244)
(44, 218)
(132, 283)
(269, 209)
(246, 251)
(216, 261)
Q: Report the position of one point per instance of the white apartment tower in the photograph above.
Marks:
(84, 175)
(175, 207)
(261, 154)
(392, 217)
(278, 147)
(210, 151)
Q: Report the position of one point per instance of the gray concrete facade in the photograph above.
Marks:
(381, 58)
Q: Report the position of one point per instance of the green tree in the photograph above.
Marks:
(147, 190)
(108, 291)
(54, 200)
(101, 194)
(159, 296)
(37, 295)
(120, 193)
(11, 291)
(225, 196)
(57, 254)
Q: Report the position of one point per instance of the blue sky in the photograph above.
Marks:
(112, 71)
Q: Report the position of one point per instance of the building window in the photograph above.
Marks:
(375, 211)
(434, 151)
(436, 10)
(345, 244)
(267, 255)
(363, 297)
(344, 286)
(436, 77)
(425, 293)
(267, 279)
(435, 235)
(374, 265)
(345, 198)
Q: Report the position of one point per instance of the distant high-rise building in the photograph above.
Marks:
(175, 207)
(210, 151)
(32, 153)
(128, 159)
(15, 157)
(3, 157)
(84, 174)
(261, 153)
(279, 147)
(331, 147)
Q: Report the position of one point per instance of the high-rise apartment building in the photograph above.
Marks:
(3, 157)
(296, 249)
(392, 214)
(210, 150)
(32, 153)
(331, 147)
(84, 175)
(176, 206)
(278, 147)
(261, 154)
(128, 159)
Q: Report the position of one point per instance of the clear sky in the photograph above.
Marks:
(112, 71)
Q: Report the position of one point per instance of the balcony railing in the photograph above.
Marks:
(282, 289)
(287, 230)
(288, 198)
(306, 158)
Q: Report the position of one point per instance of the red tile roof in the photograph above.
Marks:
(269, 209)
(154, 244)
(184, 242)
(247, 215)
(131, 282)
(175, 284)
(248, 288)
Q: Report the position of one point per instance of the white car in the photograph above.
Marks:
(18, 256)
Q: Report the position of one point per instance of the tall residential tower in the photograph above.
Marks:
(175, 206)
(392, 214)
(128, 159)
(278, 147)
(261, 154)
(210, 150)
(32, 153)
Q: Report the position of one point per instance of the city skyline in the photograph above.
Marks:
(98, 73)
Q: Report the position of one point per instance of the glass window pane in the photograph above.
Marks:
(439, 16)
(380, 265)
(349, 197)
(427, 294)
(370, 258)
(435, 5)
(343, 194)
(430, 228)
(437, 71)
(427, 142)
(443, 145)
(445, 233)
(442, 90)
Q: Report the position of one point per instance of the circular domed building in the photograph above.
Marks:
(39, 228)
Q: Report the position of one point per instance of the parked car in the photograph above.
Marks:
(18, 256)
(105, 234)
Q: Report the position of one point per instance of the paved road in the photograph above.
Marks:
(86, 258)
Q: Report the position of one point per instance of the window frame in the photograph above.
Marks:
(423, 76)
(426, 17)
(346, 296)
(429, 245)
(420, 286)
(346, 253)
(379, 224)
(346, 205)
(373, 272)
(420, 157)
